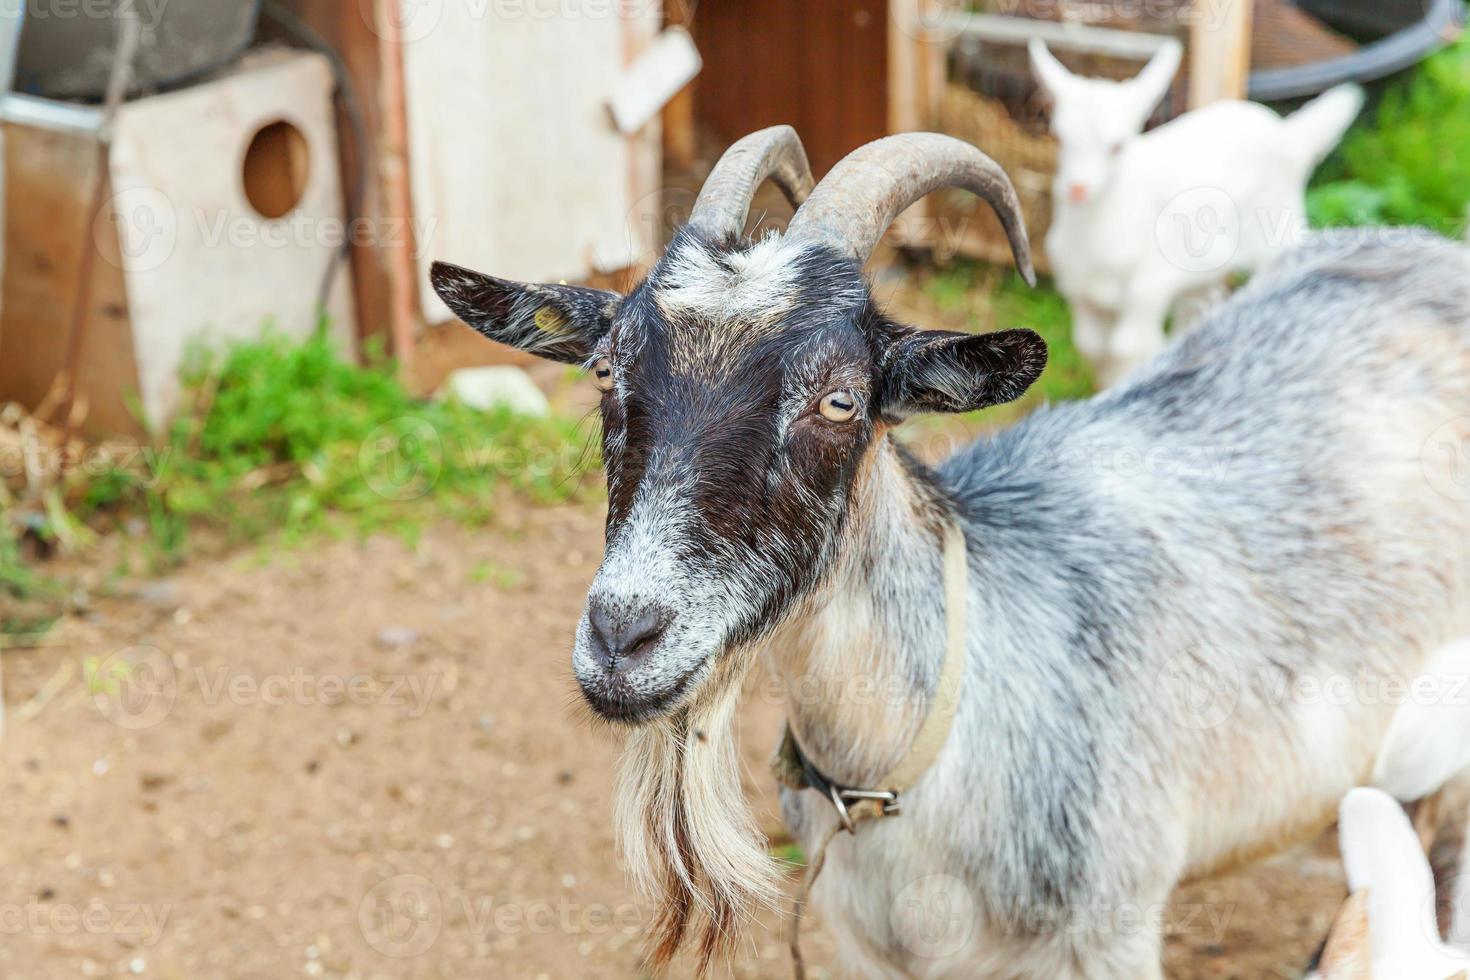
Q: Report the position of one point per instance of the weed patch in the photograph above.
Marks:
(282, 440)
(1408, 162)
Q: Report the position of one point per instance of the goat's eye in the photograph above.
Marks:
(602, 374)
(838, 406)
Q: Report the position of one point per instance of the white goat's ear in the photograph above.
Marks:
(559, 322)
(1152, 84)
(942, 371)
(1049, 73)
(1383, 856)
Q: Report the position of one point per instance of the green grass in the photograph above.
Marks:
(30, 602)
(1407, 162)
(287, 438)
(790, 853)
(282, 440)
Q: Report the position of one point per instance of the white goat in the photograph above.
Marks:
(1143, 225)
(1387, 929)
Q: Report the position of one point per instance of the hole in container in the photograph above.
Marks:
(276, 166)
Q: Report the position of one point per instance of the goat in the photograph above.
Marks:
(1143, 225)
(1250, 512)
(1387, 928)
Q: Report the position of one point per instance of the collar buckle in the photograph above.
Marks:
(840, 798)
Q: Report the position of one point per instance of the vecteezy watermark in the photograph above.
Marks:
(304, 688)
(136, 923)
(933, 916)
(402, 458)
(138, 229)
(137, 687)
(1198, 692)
(1199, 230)
(1205, 689)
(300, 229)
(29, 456)
(134, 688)
(837, 688)
(149, 12)
(1103, 919)
(403, 916)
(141, 227)
(1445, 459)
(407, 21)
(651, 221)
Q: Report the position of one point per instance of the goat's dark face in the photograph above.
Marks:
(743, 386)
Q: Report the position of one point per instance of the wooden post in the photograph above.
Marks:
(1219, 51)
(680, 142)
(915, 65)
(915, 82)
(402, 277)
(363, 32)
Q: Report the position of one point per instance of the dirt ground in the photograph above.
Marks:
(365, 760)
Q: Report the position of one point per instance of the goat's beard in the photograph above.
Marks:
(689, 841)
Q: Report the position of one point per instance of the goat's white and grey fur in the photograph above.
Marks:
(1080, 776)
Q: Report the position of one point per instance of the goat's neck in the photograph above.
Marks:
(861, 656)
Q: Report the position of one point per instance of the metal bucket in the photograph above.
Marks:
(69, 57)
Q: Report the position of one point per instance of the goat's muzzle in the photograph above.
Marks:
(621, 677)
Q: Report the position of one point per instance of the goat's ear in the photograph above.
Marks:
(1152, 84)
(1382, 855)
(1049, 73)
(562, 323)
(941, 371)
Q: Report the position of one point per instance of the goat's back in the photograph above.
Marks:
(1280, 495)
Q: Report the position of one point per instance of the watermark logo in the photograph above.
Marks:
(1199, 230)
(407, 21)
(401, 916)
(143, 224)
(131, 923)
(1199, 693)
(402, 458)
(934, 916)
(149, 12)
(653, 219)
(134, 688)
(1445, 459)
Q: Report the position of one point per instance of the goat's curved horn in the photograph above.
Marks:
(859, 198)
(724, 200)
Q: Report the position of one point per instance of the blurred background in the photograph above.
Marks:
(290, 561)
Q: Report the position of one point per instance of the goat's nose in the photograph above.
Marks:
(1077, 193)
(622, 633)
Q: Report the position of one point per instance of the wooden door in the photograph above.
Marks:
(820, 65)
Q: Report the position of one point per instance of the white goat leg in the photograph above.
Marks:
(1091, 328)
(1136, 337)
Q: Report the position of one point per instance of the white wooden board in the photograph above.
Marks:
(516, 167)
(198, 261)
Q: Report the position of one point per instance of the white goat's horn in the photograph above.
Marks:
(859, 198)
(724, 200)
